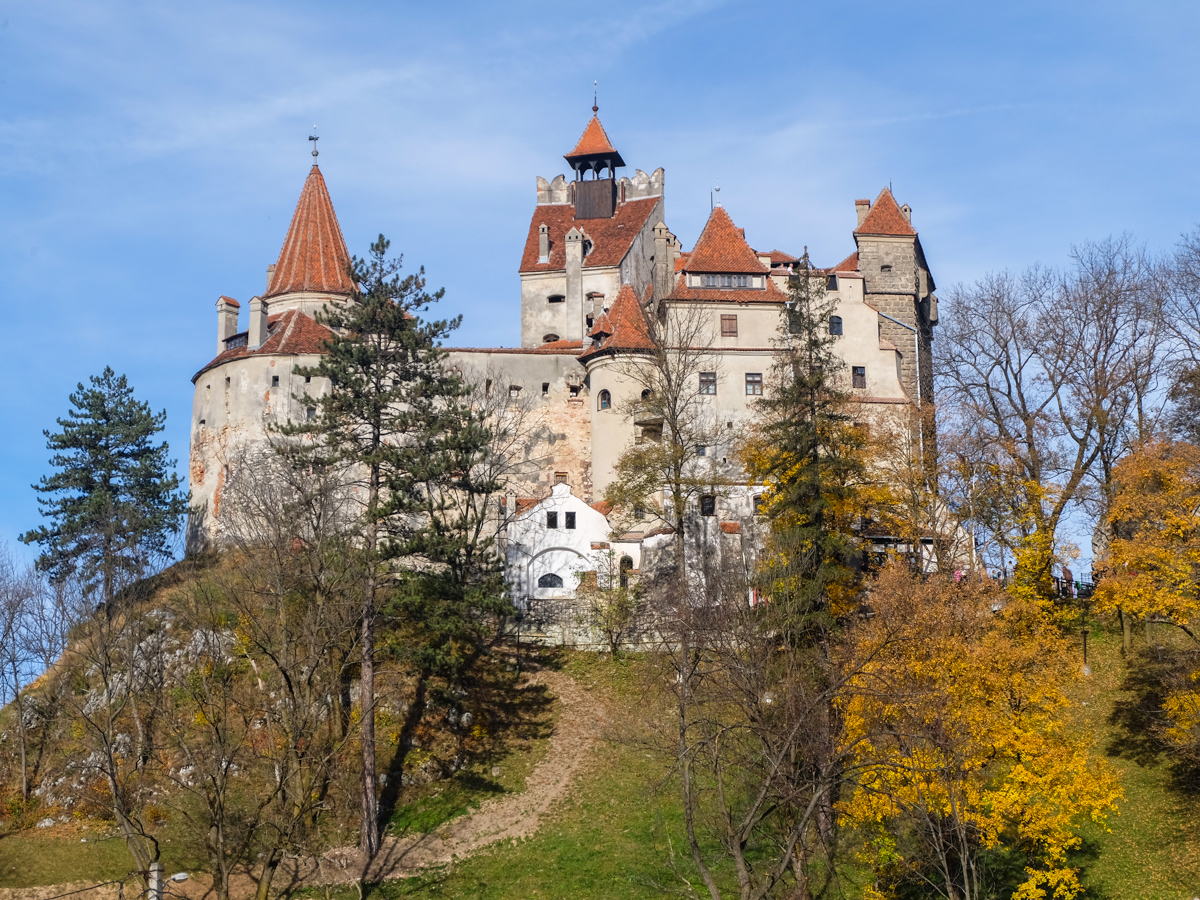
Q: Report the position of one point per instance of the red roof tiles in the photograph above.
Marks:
(779, 258)
(611, 238)
(314, 255)
(604, 508)
(849, 264)
(628, 322)
(229, 301)
(722, 247)
(885, 217)
(290, 333)
(593, 142)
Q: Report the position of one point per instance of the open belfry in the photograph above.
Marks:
(599, 260)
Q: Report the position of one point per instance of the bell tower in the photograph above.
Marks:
(595, 197)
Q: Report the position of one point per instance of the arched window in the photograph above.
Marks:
(626, 566)
(550, 580)
(549, 338)
(647, 394)
(605, 400)
(835, 324)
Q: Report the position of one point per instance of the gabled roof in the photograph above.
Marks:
(594, 143)
(722, 247)
(779, 258)
(849, 264)
(314, 257)
(886, 218)
(628, 323)
(611, 238)
(229, 301)
(289, 333)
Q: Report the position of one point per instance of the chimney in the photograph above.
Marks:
(258, 322)
(907, 210)
(862, 207)
(543, 243)
(270, 275)
(664, 261)
(574, 248)
(227, 316)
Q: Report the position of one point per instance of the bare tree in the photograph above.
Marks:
(21, 595)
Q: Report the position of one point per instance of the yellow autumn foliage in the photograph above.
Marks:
(954, 716)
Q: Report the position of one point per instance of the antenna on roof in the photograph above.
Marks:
(314, 139)
(717, 200)
(595, 105)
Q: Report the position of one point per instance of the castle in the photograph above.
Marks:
(597, 254)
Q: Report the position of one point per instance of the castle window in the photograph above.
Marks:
(605, 401)
(735, 281)
(885, 268)
(708, 505)
(574, 389)
(202, 421)
(551, 520)
(226, 382)
(545, 388)
(702, 450)
(753, 384)
(550, 580)
(860, 376)
(626, 567)
(548, 338)
(835, 325)
(274, 381)
(570, 517)
(556, 298)
(710, 280)
(758, 505)
(708, 382)
(647, 394)
(308, 379)
(728, 326)
(560, 477)
(832, 283)
(514, 391)
(310, 413)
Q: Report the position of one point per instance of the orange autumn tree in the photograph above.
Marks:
(969, 782)
(1153, 564)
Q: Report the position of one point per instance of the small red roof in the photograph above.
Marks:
(314, 257)
(722, 247)
(290, 333)
(229, 301)
(849, 264)
(779, 258)
(628, 322)
(885, 217)
(593, 142)
(603, 507)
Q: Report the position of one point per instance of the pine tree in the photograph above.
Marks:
(114, 504)
(384, 370)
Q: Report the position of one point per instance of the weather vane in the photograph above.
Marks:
(314, 139)
(595, 106)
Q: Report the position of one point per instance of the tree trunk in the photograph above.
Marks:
(270, 867)
(1126, 632)
(369, 837)
(21, 730)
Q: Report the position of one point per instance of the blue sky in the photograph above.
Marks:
(151, 153)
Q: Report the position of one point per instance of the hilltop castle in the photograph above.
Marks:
(598, 251)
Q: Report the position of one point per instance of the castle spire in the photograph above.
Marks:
(314, 258)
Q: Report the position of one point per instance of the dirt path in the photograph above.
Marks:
(510, 817)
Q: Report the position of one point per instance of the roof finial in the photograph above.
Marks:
(717, 202)
(595, 105)
(314, 139)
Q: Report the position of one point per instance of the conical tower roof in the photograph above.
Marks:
(314, 257)
(886, 218)
(722, 247)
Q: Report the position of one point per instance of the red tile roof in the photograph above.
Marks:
(779, 258)
(601, 326)
(885, 217)
(593, 142)
(772, 294)
(629, 331)
(603, 507)
(849, 264)
(524, 504)
(611, 238)
(731, 527)
(229, 300)
(314, 255)
(291, 333)
(722, 247)
(681, 261)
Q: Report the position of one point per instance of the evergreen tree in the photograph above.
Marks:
(114, 505)
(811, 458)
(385, 375)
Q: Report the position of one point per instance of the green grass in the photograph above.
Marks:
(70, 853)
(1151, 850)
